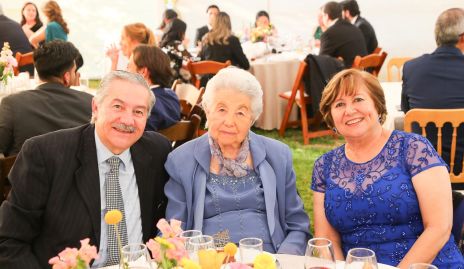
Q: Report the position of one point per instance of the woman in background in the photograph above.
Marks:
(30, 19)
(263, 22)
(56, 28)
(131, 36)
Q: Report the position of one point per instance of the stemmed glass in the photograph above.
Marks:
(319, 254)
(200, 243)
(422, 266)
(135, 256)
(362, 258)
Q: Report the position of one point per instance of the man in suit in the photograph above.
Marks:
(12, 33)
(341, 39)
(63, 182)
(52, 106)
(352, 14)
(436, 80)
(212, 12)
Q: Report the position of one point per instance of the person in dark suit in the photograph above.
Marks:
(52, 106)
(341, 39)
(436, 80)
(212, 12)
(60, 181)
(352, 14)
(13, 33)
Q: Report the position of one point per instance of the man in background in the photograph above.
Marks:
(212, 12)
(352, 14)
(341, 39)
(52, 105)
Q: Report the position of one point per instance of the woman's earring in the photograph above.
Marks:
(335, 130)
(380, 118)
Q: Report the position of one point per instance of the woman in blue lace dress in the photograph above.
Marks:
(382, 190)
(232, 183)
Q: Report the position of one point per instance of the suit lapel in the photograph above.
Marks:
(87, 178)
(202, 155)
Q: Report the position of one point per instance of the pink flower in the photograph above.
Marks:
(178, 252)
(11, 61)
(176, 226)
(87, 252)
(169, 230)
(237, 265)
(155, 249)
(57, 263)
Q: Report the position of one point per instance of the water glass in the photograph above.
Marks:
(362, 258)
(319, 254)
(250, 248)
(422, 266)
(187, 235)
(199, 243)
(136, 257)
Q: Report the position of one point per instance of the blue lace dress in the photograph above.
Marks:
(374, 204)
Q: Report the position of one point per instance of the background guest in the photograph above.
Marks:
(352, 14)
(212, 12)
(341, 39)
(52, 106)
(56, 28)
(154, 65)
(30, 19)
(319, 29)
(204, 194)
(264, 22)
(382, 190)
(168, 16)
(221, 45)
(131, 36)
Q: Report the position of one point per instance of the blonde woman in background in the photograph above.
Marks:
(56, 28)
(131, 36)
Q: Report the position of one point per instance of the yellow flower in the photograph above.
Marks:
(189, 264)
(165, 242)
(264, 261)
(113, 217)
(210, 259)
(230, 249)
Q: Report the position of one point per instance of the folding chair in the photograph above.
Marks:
(204, 67)
(398, 63)
(183, 131)
(23, 59)
(371, 63)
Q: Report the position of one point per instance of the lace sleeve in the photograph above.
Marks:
(318, 180)
(420, 155)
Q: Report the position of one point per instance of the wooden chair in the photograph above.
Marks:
(298, 95)
(23, 59)
(372, 62)
(6, 163)
(377, 50)
(398, 63)
(204, 67)
(182, 131)
(439, 117)
(189, 96)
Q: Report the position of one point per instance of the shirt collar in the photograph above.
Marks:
(103, 153)
(332, 23)
(353, 20)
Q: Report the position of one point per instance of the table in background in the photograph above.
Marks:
(392, 91)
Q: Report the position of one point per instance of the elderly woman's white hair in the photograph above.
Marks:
(233, 78)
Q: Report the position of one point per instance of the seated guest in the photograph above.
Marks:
(341, 39)
(172, 45)
(168, 16)
(12, 33)
(30, 19)
(131, 36)
(212, 12)
(52, 106)
(319, 29)
(352, 14)
(221, 45)
(205, 194)
(388, 191)
(436, 80)
(56, 28)
(263, 22)
(153, 64)
(64, 182)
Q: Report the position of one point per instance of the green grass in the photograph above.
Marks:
(303, 159)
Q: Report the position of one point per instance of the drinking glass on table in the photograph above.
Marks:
(198, 244)
(362, 258)
(319, 254)
(422, 266)
(187, 235)
(249, 248)
(136, 257)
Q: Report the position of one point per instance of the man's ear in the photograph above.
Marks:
(67, 79)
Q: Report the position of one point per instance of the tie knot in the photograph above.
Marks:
(114, 162)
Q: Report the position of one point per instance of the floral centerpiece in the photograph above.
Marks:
(261, 34)
(7, 62)
(73, 258)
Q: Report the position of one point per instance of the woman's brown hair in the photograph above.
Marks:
(37, 17)
(138, 31)
(53, 12)
(221, 31)
(157, 63)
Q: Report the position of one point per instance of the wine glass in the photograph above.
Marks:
(249, 248)
(135, 256)
(319, 254)
(422, 266)
(362, 258)
(187, 235)
(200, 243)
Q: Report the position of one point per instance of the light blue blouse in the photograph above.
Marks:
(55, 31)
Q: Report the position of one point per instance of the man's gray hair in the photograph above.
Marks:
(233, 78)
(449, 26)
(102, 91)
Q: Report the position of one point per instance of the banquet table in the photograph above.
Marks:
(276, 73)
(392, 91)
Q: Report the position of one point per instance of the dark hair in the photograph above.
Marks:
(55, 58)
(212, 6)
(351, 6)
(176, 32)
(38, 21)
(53, 11)
(168, 14)
(79, 61)
(157, 63)
(333, 10)
(262, 13)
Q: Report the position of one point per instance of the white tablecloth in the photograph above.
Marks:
(392, 91)
(297, 262)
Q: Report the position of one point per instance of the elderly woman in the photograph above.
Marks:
(232, 181)
(388, 191)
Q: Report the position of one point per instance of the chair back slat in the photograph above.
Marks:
(204, 67)
(183, 131)
(397, 63)
(189, 96)
(23, 59)
(372, 62)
